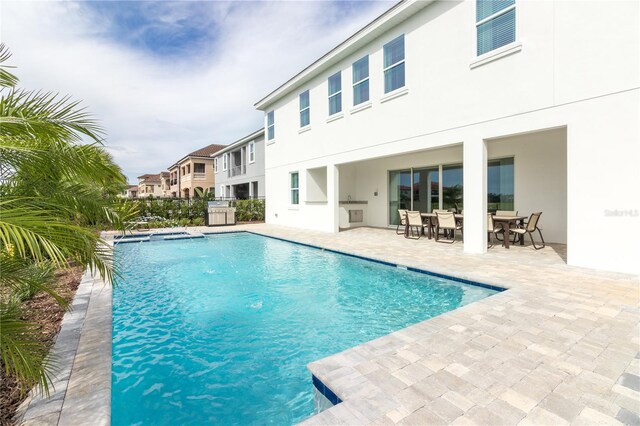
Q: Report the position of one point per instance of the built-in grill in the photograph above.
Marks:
(219, 213)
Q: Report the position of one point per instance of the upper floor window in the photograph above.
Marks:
(335, 93)
(305, 109)
(198, 167)
(360, 70)
(394, 64)
(252, 152)
(295, 188)
(270, 126)
(215, 164)
(495, 24)
(224, 162)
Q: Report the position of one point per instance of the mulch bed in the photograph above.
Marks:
(43, 310)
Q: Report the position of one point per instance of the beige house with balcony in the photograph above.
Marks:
(149, 185)
(193, 172)
(165, 184)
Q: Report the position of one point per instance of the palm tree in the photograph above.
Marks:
(56, 180)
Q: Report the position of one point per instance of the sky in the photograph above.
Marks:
(165, 78)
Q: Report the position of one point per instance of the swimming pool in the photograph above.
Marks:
(220, 329)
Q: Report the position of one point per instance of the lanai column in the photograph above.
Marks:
(333, 195)
(475, 196)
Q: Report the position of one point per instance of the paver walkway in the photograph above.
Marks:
(560, 346)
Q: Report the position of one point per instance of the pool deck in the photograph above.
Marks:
(560, 346)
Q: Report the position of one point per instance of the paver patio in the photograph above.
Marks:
(560, 346)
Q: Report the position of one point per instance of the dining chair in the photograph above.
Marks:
(414, 220)
(529, 228)
(403, 221)
(447, 222)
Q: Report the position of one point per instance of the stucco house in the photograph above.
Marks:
(150, 185)
(131, 191)
(239, 168)
(517, 105)
(193, 171)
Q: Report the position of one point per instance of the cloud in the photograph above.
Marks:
(166, 78)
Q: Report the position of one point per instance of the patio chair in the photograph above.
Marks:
(447, 222)
(492, 230)
(403, 221)
(414, 220)
(530, 227)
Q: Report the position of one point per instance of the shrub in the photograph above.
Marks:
(250, 210)
(198, 221)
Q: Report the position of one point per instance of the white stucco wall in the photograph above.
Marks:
(562, 75)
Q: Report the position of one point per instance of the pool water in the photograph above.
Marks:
(220, 329)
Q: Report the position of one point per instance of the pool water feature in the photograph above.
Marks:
(220, 329)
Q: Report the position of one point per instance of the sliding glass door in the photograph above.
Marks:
(500, 185)
(426, 189)
(399, 193)
(452, 179)
(419, 189)
(413, 189)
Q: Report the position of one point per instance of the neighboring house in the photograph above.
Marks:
(194, 170)
(502, 105)
(149, 185)
(130, 192)
(239, 168)
(165, 184)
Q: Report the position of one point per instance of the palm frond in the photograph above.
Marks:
(45, 115)
(22, 355)
(7, 79)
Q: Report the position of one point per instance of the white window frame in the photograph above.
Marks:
(308, 108)
(215, 165)
(490, 18)
(385, 69)
(333, 95)
(224, 162)
(271, 126)
(252, 152)
(291, 188)
(355, 83)
(221, 192)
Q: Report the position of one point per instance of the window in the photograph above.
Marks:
(215, 164)
(495, 24)
(500, 185)
(394, 64)
(452, 187)
(224, 162)
(335, 93)
(252, 152)
(305, 109)
(295, 199)
(221, 192)
(198, 167)
(270, 126)
(360, 71)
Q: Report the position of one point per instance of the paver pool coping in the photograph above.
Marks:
(377, 380)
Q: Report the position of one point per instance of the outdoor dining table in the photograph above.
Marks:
(430, 221)
(505, 222)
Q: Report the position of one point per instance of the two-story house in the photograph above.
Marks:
(239, 168)
(131, 191)
(470, 105)
(165, 184)
(149, 185)
(193, 173)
